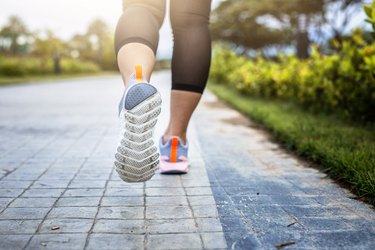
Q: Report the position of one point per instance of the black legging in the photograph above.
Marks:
(141, 21)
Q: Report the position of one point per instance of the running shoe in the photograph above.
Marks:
(137, 158)
(174, 156)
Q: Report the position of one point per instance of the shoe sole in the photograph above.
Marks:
(174, 168)
(137, 158)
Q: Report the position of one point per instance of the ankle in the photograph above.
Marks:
(136, 76)
(182, 136)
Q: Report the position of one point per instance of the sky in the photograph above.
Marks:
(68, 17)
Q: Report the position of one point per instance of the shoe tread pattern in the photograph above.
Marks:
(137, 158)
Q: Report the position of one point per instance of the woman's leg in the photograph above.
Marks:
(136, 41)
(137, 36)
(190, 62)
(132, 54)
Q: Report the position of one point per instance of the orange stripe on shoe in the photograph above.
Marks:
(174, 149)
(138, 73)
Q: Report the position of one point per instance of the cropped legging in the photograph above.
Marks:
(141, 21)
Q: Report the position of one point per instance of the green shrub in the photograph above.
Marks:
(341, 83)
(370, 13)
(23, 66)
(72, 66)
(11, 67)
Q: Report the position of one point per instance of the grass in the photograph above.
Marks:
(342, 149)
(10, 80)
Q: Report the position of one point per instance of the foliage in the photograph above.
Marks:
(95, 45)
(13, 30)
(344, 150)
(370, 13)
(21, 66)
(235, 21)
(338, 16)
(254, 24)
(341, 83)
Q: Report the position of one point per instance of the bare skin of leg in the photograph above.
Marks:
(183, 104)
(133, 54)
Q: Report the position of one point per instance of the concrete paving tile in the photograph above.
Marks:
(14, 242)
(78, 202)
(322, 223)
(166, 201)
(122, 201)
(174, 241)
(87, 184)
(205, 211)
(58, 241)
(17, 176)
(73, 212)
(124, 192)
(195, 183)
(33, 202)
(164, 191)
(347, 239)
(91, 176)
(5, 201)
(168, 212)
(51, 184)
(292, 200)
(233, 224)
(262, 210)
(214, 240)
(209, 224)
(229, 210)
(10, 193)
(126, 213)
(277, 236)
(43, 192)
(119, 226)
(201, 200)
(115, 241)
(19, 226)
(83, 192)
(57, 225)
(57, 176)
(316, 210)
(24, 213)
(164, 183)
(14, 184)
(198, 191)
(121, 184)
(171, 226)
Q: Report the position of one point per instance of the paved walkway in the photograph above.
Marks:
(58, 189)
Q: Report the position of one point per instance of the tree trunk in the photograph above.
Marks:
(56, 63)
(303, 44)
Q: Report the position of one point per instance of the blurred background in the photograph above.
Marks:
(323, 42)
(80, 33)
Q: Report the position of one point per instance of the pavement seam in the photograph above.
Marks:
(39, 226)
(192, 212)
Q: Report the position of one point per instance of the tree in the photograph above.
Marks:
(49, 46)
(13, 31)
(81, 47)
(337, 16)
(98, 34)
(95, 45)
(259, 24)
(236, 22)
